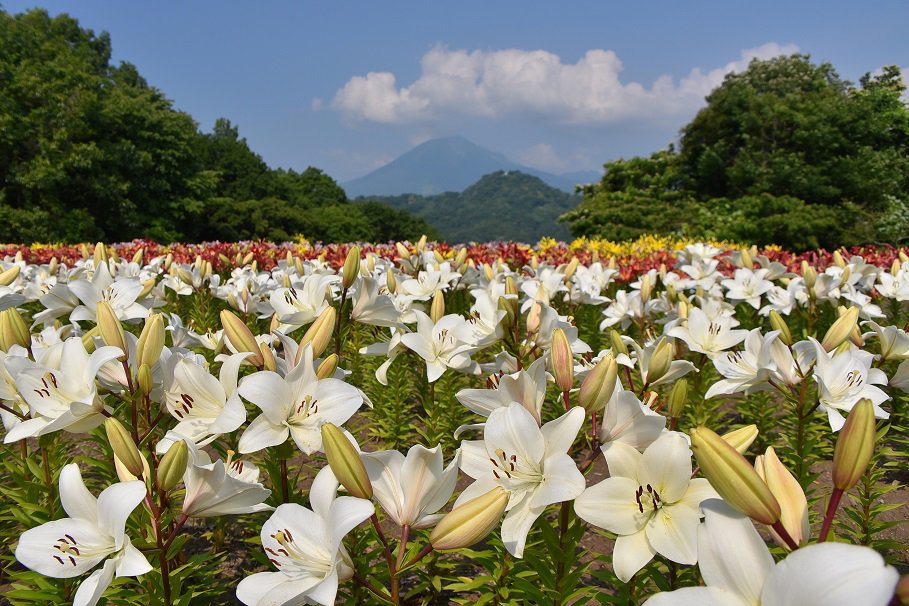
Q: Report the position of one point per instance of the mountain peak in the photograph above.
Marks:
(440, 165)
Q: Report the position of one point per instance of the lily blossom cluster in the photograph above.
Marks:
(530, 371)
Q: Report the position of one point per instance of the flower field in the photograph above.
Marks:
(656, 422)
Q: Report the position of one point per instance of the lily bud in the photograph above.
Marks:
(599, 384)
(268, 358)
(460, 258)
(678, 398)
(344, 460)
(838, 259)
(561, 360)
(88, 338)
(391, 282)
(747, 261)
(173, 465)
(351, 267)
(123, 445)
(660, 361)
(616, 342)
(110, 327)
(682, 309)
(147, 287)
(8, 276)
(854, 446)
(247, 259)
(571, 268)
(437, 308)
(327, 367)
(100, 254)
(646, 288)
(239, 335)
(778, 323)
(319, 333)
(402, 250)
(904, 257)
(810, 276)
(488, 272)
(421, 243)
(733, 477)
(742, 438)
(146, 381)
(13, 330)
(470, 522)
(789, 494)
(126, 475)
(671, 292)
(534, 318)
(151, 340)
(511, 289)
(438, 256)
(840, 330)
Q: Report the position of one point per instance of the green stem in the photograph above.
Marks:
(564, 513)
(338, 322)
(49, 483)
(285, 485)
(831, 513)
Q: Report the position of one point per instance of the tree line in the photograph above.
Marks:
(785, 153)
(90, 151)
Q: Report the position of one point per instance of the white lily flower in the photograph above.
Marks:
(411, 489)
(121, 294)
(296, 405)
(893, 340)
(305, 546)
(527, 387)
(650, 501)
(845, 378)
(745, 371)
(64, 397)
(302, 303)
(204, 406)
(644, 356)
(220, 488)
(628, 420)
(708, 335)
(443, 344)
(94, 531)
(739, 570)
(528, 461)
(624, 309)
(372, 307)
(747, 286)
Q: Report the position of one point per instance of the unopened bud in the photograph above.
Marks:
(571, 268)
(327, 367)
(810, 277)
(402, 250)
(13, 330)
(138, 255)
(561, 360)
(838, 259)
(268, 358)
(778, 323)
(788, 493)
(678, 398)
(599, 384)
(470, 522)
(747, 261)
(460, 258)
(646, 288)
(125, 475)
(742, 438)
(660, 361)
(240, 337)
(145, 379)
(439, 258)
(8, 276)
(319, 333)
(88, 338)
(854, 446)
(391, 282)
(100, 254)
(151, 340)
(344, 460)
(534, 317)
(840, 330)
(733, 477)
(488, 272)
(437, 308)
(173, 465)
(351, 267)
(123, 446)
(111, 330)
(421, 243)
(616, 343)
(147, 287)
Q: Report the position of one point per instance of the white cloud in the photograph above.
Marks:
(512, 82)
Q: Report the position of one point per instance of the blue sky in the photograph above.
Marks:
(348, 86)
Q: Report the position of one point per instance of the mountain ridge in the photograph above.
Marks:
(503, 205)
(449, 164)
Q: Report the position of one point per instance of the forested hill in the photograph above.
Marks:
(504, 205)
